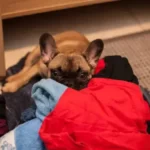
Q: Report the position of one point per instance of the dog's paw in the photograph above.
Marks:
(9, 88)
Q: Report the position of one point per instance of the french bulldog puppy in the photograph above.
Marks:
(68, 58)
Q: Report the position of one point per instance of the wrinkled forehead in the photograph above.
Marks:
(71, 62)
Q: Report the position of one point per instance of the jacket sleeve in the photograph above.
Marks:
(46, 94)
(27, 137)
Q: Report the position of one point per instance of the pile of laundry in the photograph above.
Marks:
(111, 113)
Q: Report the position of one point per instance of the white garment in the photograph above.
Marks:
(7, 142)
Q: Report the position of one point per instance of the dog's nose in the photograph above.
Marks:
(69, 84)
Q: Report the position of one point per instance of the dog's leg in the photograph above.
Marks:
(22, 80)
(18, 75)
(31, 59)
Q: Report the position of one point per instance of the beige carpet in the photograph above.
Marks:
(136, 48)
(124, 26)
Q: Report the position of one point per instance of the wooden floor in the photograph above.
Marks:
(124, 26)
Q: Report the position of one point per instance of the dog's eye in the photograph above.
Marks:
(54, 73)
(83, 75)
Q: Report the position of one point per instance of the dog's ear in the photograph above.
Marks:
(47, 47)
(94, 51)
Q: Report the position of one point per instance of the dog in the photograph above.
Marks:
(68, 58)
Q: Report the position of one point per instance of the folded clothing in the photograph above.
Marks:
(107, 114)
(18, 101)
(3, 124)
(2, 107)
(26, 136)
(115, 67)
(3, 127)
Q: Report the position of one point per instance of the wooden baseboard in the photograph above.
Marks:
(15, 8)
(2, 59)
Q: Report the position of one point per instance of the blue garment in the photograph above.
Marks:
(46, 94)
(27, 137)
(29, 113)
(41, 92)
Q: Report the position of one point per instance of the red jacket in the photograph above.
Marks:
(107, 115)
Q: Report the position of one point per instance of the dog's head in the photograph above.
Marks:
(74, 69)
